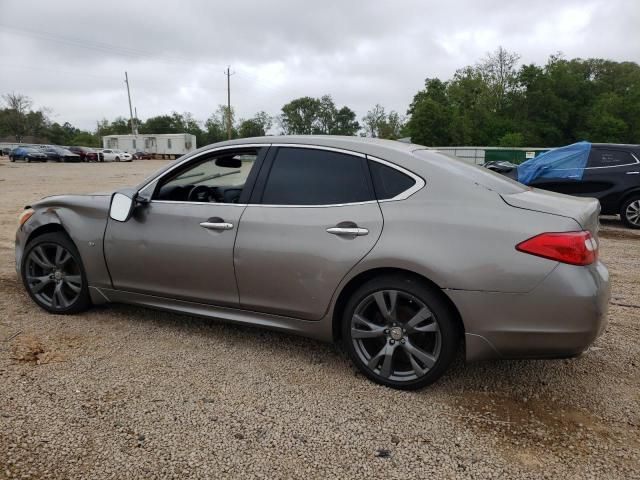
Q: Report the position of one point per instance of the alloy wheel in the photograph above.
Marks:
(396, 335)
(633, 212)
(53, 276)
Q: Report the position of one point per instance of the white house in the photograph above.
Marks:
(171, 144)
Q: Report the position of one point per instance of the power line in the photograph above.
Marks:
(99, 46)
(119, 49)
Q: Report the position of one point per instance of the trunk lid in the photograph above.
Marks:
(583, 210)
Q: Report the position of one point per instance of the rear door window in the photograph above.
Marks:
(599, 158)
(302, 176)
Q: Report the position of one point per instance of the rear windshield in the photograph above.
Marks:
(480, 175)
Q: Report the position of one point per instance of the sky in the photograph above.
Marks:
(70, 56)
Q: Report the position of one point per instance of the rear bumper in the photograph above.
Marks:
(561, 317)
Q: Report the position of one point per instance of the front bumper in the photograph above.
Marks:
(20, 244)
(561, 317)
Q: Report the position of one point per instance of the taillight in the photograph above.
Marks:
(576, 248)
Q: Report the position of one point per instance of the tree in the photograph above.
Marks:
(256, 126)
(85, 139)
(300, 116)
(215, 127)
(374, 120)
(392, 127)
(498, 69)
(326, 116)
(345, 122)
(119, 126)
(515, 139)
(161, 124)
(320, 116)
(18, 106)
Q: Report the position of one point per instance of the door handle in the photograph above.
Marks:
(633, 173)
(348, 231)
(216, 223)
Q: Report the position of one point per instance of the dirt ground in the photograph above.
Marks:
(125, 392)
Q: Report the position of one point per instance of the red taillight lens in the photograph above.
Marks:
(576, 248)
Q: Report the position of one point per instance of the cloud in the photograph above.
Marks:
(71, 56)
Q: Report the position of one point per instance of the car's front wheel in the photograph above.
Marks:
(630, 212)
(53, 274)
(400, 332)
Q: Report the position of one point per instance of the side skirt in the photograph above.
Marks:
(320, 330)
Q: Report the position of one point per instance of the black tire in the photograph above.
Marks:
(12, 159)
(629, 212)
(117, 159)
(28, 159)
(414, 292)
(47, 243)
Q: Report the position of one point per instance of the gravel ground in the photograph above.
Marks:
(124, 392)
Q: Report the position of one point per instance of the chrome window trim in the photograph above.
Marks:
(320, 147)
(184, 202)
(326, 205)
(418, 185)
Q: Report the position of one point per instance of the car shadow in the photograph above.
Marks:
(508, 376)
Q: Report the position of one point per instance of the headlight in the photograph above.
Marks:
(24, 216)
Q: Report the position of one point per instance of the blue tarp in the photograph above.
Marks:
(563, 162)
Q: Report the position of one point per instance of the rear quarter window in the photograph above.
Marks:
(389, 182)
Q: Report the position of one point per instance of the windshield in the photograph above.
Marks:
(482, 176)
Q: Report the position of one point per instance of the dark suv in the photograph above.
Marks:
(612, 175)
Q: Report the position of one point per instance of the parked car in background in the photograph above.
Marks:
(28, 154)
(86, 154)
(398, 251)
(6, 151)
(142, 156)
(60, 154)
(608, 172)
(111, 155)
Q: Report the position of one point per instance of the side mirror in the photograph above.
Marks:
(121, 207)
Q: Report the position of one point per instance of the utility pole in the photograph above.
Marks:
(228, 74)
(134, 130)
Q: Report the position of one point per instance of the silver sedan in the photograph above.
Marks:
(401, 253)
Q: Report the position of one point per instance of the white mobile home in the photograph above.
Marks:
(165, 144)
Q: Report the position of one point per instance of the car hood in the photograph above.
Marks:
(73, 200)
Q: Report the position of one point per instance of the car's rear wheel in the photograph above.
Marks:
(630, 212)
(117, 159)
(400, 332)
(53, 274)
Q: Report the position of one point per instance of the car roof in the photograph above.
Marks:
(629, 146)
(367, 145)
